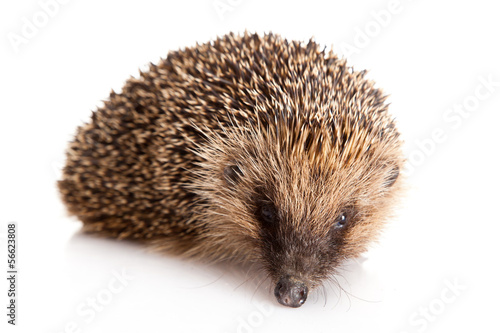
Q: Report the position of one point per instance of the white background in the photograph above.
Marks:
(435, 269)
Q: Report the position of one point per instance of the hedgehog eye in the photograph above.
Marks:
(267, 213)
(341, 220)
(232, 174)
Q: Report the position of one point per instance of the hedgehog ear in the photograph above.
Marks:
(232, 174)
(392, 176)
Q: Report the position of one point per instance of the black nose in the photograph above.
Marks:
(290, 292)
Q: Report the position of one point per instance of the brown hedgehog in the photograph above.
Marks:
(251, 148)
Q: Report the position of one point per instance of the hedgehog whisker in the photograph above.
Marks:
(325, 294)
(258, 286)
(252, 273)
(348, 293)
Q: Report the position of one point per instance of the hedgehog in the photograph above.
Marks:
(250, 148)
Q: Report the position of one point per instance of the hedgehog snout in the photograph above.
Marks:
(291, 292)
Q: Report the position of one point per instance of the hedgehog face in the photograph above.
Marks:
(300, 218)
(310, 224)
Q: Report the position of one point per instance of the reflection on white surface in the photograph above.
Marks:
(170, 289)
